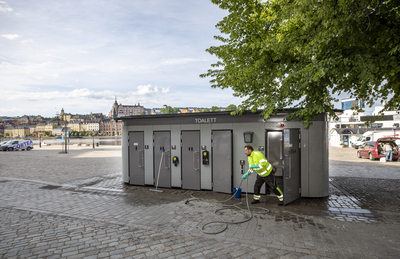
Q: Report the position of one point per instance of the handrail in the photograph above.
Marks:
(194, 166)
(165, 159)
(140, 150)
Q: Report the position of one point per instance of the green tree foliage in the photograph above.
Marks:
(231, 108)
(297, 53)
(143, 113)
(206, 110)
(169, 110)
(215, 109)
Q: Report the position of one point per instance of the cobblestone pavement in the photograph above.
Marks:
(47, 164)
(94, 215)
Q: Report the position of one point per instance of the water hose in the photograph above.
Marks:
(225, 207)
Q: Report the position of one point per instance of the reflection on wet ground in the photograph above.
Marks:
(341, 205)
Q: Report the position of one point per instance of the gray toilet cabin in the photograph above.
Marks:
(205, 151)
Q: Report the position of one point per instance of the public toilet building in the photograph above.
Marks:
(205, 151)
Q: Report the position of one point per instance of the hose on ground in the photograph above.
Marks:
(226, 207)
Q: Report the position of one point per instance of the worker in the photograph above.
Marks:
(388, 149)
(259, 164)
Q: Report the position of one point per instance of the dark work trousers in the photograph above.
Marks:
(269, 180)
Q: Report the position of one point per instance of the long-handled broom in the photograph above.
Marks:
(158, 176)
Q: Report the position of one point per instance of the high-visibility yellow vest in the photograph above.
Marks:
(257, 158)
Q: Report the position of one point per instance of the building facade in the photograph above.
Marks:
(352, 125)
(93, 126)
(110, 127)
(18, 131)
(119, 110)
(42, 127)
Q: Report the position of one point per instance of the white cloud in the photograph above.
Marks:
(4, 7)
(148, 89)
(26, 41)
(10, 36)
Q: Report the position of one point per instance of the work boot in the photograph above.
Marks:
(255, 201)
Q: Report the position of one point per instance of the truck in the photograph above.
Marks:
(17, 145)
(371, 136)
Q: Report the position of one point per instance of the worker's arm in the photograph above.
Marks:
(247, 174)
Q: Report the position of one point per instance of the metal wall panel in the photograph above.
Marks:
(206, 174)
(148, 155)
(176, 176)
(125, 155)
(318, 160)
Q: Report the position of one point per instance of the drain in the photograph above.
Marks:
(49, 187)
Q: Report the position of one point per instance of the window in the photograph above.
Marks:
(376, 125)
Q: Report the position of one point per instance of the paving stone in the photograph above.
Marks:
(131, 222)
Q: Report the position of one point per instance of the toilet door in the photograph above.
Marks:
(191, 169)
(162, 158)
(136, 157)
(222, 161)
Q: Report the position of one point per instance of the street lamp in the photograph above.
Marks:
(395, 126)
(93, 137)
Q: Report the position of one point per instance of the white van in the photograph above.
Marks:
(17, 145)
(370, 136)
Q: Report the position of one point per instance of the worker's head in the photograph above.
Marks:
(248, 149)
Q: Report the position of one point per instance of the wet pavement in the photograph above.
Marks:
(79, 208)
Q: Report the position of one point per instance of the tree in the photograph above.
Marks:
(231, 108)
(143, 113)
(206, 110)
(298, 53)
(169, 110)
(215, 109)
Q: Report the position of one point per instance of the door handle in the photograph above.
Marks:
(290, 168)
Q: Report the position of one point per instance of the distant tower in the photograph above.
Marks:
(62, 114)
(114, 110)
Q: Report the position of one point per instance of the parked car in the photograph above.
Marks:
(374, 149)
(2, 143)
(17, 145)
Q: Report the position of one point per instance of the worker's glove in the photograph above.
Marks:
(246, 174)
(254, 166)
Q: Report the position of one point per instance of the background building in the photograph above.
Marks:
(119, 110)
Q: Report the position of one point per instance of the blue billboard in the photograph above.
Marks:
(347, 105)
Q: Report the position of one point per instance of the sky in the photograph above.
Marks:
(82, 54)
